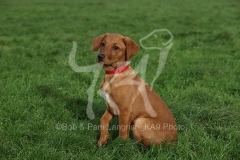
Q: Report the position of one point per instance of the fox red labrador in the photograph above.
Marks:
(128, 97)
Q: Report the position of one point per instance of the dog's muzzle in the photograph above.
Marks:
(100, 57)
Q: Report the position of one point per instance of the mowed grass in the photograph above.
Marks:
(43, 101)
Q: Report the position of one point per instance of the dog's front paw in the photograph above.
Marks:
(102, 141)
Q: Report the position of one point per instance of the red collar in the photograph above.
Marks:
(118, 70)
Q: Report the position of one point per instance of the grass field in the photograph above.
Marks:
(43, 101)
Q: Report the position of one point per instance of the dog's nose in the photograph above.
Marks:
(101, 57)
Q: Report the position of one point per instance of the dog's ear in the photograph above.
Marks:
(131, 48)
(97, 41)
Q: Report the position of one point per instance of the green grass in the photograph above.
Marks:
(40, 92)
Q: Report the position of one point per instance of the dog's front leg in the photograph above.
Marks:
(124, 124)
(106, 118)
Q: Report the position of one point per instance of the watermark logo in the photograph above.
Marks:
(139, 69)
(163, 52)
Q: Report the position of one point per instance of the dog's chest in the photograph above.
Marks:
(112, 104)
(107, 90)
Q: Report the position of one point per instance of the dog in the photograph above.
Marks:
(128, 97)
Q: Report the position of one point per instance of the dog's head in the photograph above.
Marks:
(115, 49)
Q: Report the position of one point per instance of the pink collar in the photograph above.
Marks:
(118, 70)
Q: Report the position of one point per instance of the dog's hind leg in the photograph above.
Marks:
(149, 132)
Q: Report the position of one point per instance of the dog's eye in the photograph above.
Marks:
(115, 47)
(102, 44)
